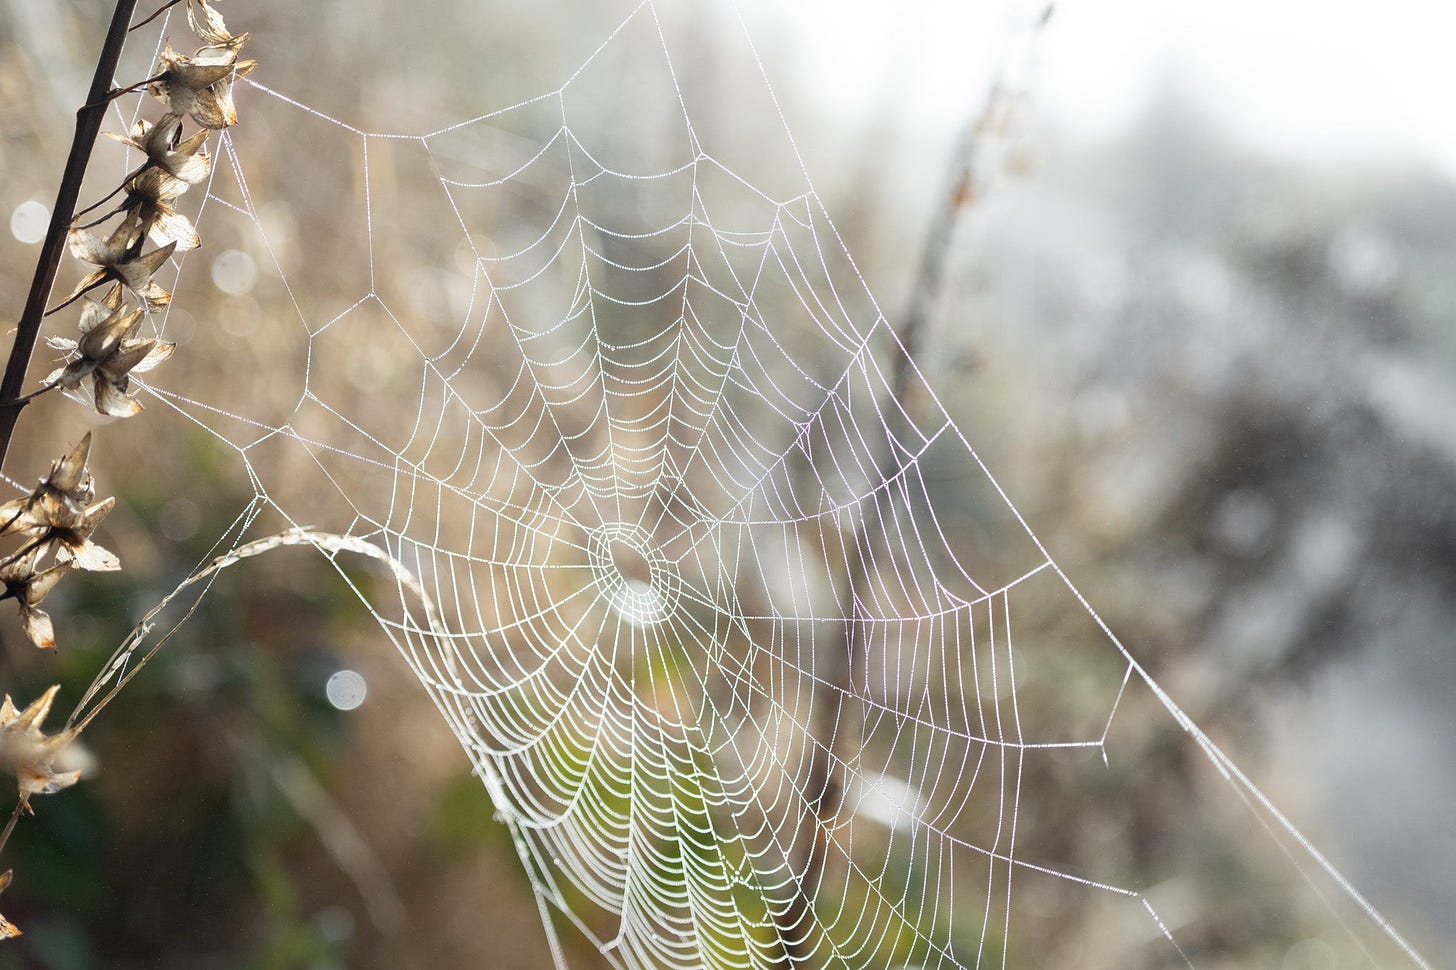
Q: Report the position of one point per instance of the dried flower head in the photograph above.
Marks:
(207, 23)
(59, 515)
(42, 764)
(28, 587)
(8, 930)
(119, 258)
(108, 352)
(149, 197)
(64, 492)
(186, 160)
(201, 85)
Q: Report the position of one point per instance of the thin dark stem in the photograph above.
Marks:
(112, 194)
(160, 10)
(88, 126)
(59, 306)
(10, 825)
(114, 93)
(96, 222)
(822, 787)
(26, 398)
(133, 88)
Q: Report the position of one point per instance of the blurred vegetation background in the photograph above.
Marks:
(1220, 383)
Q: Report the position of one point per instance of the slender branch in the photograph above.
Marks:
(96, 222)
(113, 193)
(27, 398)
(963, 188)
(88, 126)
(10, 825)
(157, 13)
(56, 309)
(114, 93)
(340, 837)
(822, 786)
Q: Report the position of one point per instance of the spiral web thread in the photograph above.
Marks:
(758, 662)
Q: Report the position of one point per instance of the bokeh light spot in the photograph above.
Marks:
(234, 272)
(346, 689)
(29, 221)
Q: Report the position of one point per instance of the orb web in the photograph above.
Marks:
(760, 665)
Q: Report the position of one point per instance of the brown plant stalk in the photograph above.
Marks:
(88, 126)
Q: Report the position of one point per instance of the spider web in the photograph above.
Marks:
(760, 665)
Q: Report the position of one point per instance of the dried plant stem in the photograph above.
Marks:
(62, 305)
(114, 93)
(155, 14)
(88, 126)
(10, 825)
(130, 657)
(96, 222)
(110, 195)
(27, 398)
(963, 189)
(822, 787)
(341, 839)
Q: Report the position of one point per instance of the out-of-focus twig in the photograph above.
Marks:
(822, 787)
(970, 170)
(342, 840)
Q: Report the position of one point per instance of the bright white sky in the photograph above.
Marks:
(1310, 78)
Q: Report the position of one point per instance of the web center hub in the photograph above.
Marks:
(637, 580)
